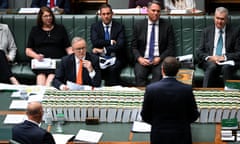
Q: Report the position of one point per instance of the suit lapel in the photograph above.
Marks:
(72, 63)
(145, 32)
(212, 37)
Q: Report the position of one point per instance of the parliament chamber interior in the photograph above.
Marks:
(116, 109)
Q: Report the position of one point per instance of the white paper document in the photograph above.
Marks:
(18, 104)
(14, 118)
(28, 10)
(62, 138)
(75, 86)
(139, 126)
(188, 57)
(46, 63)
(230, 62)
(89, 136)
(179, 11)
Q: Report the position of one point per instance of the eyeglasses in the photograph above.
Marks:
(47, 16)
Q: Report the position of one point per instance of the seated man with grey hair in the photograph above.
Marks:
(80, 67)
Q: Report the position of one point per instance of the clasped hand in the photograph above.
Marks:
(216, 59)
(147, 62)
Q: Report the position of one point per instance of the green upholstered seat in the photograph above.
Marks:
(187, 30)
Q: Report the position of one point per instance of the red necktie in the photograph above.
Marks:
(79, 75)
(51, 3)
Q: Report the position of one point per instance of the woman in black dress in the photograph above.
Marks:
(47, 40)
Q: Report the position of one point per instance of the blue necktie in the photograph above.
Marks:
(107, 36)
(151, 45)
(219, 44)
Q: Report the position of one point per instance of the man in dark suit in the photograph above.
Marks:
(170, 107)
(227, 42)
(3, 4)
(63, 5)
(69, 67)
(161, 44)
(107, 37)
(29, 131)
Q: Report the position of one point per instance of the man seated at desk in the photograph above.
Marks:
(29, 131)
(80, 67)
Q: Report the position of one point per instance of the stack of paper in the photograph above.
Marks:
(62, 138)
(88, 136)
(46, 63)
(14, 118)
(139, 126)
(28, 10)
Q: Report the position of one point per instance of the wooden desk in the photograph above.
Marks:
(185, 76)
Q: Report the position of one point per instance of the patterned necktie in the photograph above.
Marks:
(151, 44)
(219, 44)
(51, 3)
(107, 36)
(79, 75)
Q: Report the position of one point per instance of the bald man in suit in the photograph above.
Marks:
(29, 131)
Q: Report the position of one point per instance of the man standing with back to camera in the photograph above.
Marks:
(170, 107)
(153, 40)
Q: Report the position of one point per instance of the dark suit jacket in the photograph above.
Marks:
(3, 4)
(232, 44)
(30, 133)
(169, 106)
(166, 39)
(67, 71)
(64, 4)
(117, 33)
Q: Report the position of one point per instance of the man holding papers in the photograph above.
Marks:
(170, 107)
(219, 43)
(80, 67)
(29, 131)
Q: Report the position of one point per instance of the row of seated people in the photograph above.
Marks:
(153, 40)
(65, 5)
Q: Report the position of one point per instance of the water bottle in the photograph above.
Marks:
(48, 118)
(24, 94)
(60, 122)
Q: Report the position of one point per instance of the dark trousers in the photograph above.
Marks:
(213, 72)
(5, 72)
(111, 75)
(142, 73)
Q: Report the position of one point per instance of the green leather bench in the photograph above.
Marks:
(187, 33)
